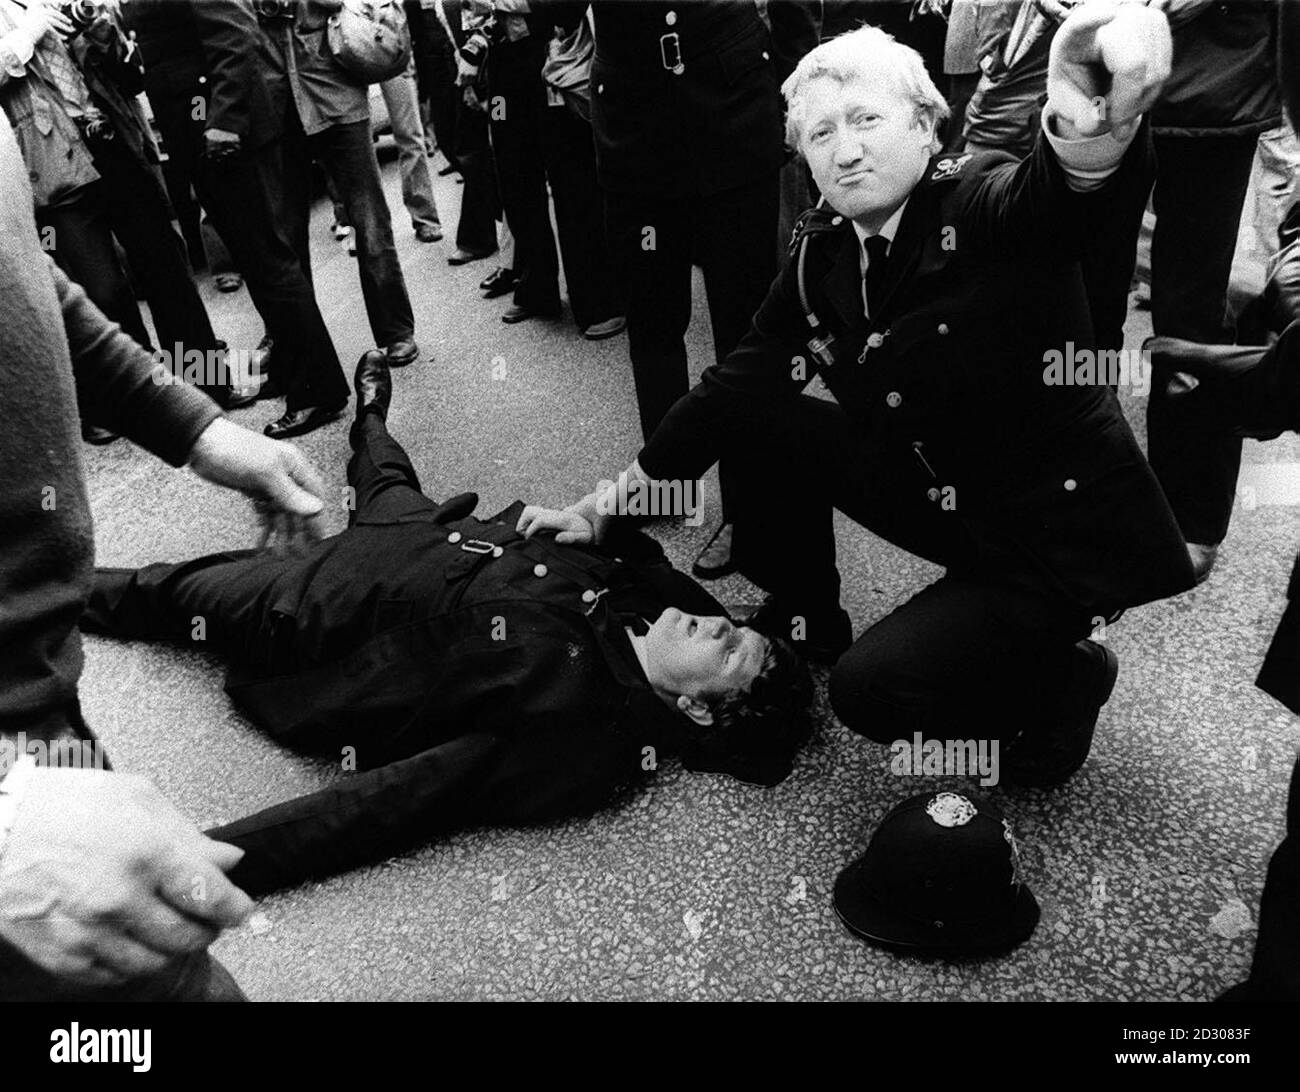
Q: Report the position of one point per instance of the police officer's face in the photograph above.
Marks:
(865, 146)
(698, 656)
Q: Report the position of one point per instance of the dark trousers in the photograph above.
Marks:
(480, 200)
(435, 73)
(517, 98)
(348, 153)
(1198, 199)
(980, 653)
(570, 157)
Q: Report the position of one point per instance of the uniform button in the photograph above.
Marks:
(600, 89)
(876, 340)
(766, 56)
(540, 570)
(589, 596)
(454, 537)
(893, 399)
(671, 18)
(203, 79)
(943, 328)
(932, 493)
(497, 551)
(837, 220)
(1071, 485)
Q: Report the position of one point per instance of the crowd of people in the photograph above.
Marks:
(918, 202)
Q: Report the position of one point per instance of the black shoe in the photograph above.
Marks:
(100, 437)
(260, 361)
(299, 422)
(498, 283)
(820, 636)
(463, 257)
(1049, 755)
(374, 384)
(517, 313)
(233, 397)
(428, 233)
(715, 560)
(401, 353)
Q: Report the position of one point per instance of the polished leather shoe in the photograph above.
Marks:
(1203, 558)
(715, 561)
(599, 331)
(373, 383)
(228, 282)
(498, 283)
(100, 437)
(299, 422)
(237, 397)
(1052, 752)
(516, 313)
(261, 358)
(820, 636)
(429, 233)
(464, 257)
(402, 353)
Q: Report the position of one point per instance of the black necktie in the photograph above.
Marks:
(877, 248)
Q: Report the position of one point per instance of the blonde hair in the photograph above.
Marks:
(862, 54)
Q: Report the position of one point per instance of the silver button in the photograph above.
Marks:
(600, 89)
(943, 328)
(589, 596)
(454, 537)
(876, 340)
(671, 18)
(1071, 485)
(540, 570)
(932, 493)
(837, 220)
(893, 399)
(497, 551)
(766, 56)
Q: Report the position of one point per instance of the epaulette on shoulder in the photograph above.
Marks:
(815, 221)
(949, 167)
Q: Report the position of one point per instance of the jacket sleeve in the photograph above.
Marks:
(771, 362)
(1028, 209)
(228, 31)
(116, 386)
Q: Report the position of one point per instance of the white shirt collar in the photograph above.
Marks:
(889, 229)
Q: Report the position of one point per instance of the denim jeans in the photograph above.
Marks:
(408, 131)
(348, 155)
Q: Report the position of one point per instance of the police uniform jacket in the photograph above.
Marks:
(686, 95)
(475, 676)
(946, 383)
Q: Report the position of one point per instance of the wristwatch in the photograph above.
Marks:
(13, 787)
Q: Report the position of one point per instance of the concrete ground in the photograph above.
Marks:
(1148, 864)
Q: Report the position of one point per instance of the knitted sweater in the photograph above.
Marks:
(54, 347)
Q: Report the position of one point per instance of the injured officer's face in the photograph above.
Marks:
(690, 658)
(866, 146)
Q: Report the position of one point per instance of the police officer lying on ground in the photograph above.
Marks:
(475, 675)
(930, 294)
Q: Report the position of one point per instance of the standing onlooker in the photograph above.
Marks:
(205, 51)
(687, 117)
(435, 72)
(413, 158)
(1222, 95)
(480, 201)
(94, 171)
(326, 116)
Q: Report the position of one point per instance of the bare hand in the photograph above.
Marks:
(103, 881)
(1108, 63)
(571, 526)
(287, 493)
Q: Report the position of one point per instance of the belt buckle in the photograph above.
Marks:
(670, 52)
(477, 546)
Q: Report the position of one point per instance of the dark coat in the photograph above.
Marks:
(204, 50)
(1049, 482)
(473, 687)
(715, 126)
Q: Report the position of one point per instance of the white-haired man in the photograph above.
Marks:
(931, 294)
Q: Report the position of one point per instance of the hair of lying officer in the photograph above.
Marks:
(768, 720)
(867, 53)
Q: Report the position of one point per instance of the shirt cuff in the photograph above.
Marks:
(1088, 161)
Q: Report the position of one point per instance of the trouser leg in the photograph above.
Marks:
(386, 487)
(480, 203)
(404, 114)
(650, 243)
(1198, 199)
(349, 153)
